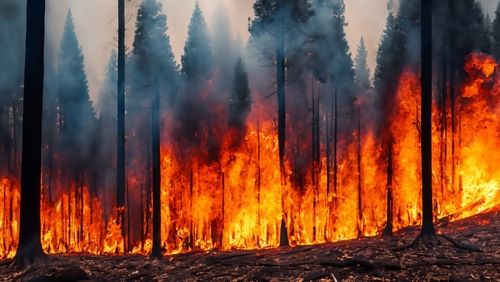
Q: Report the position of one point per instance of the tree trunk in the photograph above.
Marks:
(120, 156)
(30, 247)
(156, 252)
(428, 233)
(360, 206)
(280, 65)
(452, 89)
(335, 132)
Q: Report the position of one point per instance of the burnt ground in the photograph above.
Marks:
(367, 259)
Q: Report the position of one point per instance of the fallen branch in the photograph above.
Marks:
(461, 245)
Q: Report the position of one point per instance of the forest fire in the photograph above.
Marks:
(236, 200)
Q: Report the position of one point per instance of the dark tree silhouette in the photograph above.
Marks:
(361, 68)
(495, 34)
(30, 247)
(240, 102)
(156, 252)
(120, 157)
(428, 233)
(197, 60)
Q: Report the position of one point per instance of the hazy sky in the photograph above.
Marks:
(96, 24)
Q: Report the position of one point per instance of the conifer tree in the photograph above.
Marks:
(240, 101)
(108, 94)
(152, 57)
(495, 32)
(391, 56)
(342, 64)
(197, 60)
(77, 111)
(329, 51)
(362, 70)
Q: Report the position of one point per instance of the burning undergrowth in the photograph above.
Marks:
(221, 182)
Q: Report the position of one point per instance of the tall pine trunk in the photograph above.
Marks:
(428, 233)
(30, 247)
(156, 252)
(280, 72)
(120, 156)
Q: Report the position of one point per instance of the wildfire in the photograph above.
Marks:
(236, 199)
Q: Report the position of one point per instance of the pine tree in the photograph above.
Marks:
(495, 31)
(197, 60)
(152, 58)
(391, 57)
(342, 64)
(240, 101)
(362, 70)
(107, 103)
(77, 111)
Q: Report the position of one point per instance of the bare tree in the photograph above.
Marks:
(30, 247)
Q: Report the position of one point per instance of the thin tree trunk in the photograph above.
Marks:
(280, 65)
(223, 207)
(388, 226)
(443, 153)
(120, 156)
(142, 217)
(128, 216)
(81, 201)
(335, 132)
(452, 40)
(30, 247)
(360, 206)
(191, 233)
(258, 181)
(156, 252)
(313, 158)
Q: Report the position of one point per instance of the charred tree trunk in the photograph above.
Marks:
(30, 247)
(452, 41)
(191, 233)
(128, 246)
(444, 139)
(120, 156)
(428, 233)
(388, 226)
(335, 132)
(280, 72)
(360, 206)
(258, 181)
(156, 252)
(142, 218)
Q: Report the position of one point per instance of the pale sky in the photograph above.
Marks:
(96, 24)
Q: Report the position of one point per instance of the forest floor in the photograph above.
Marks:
(366, 259)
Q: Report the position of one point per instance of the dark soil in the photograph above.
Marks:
(366, 259)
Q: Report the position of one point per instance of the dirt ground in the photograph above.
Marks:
(366, 259)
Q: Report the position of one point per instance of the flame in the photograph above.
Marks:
(237, 197)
